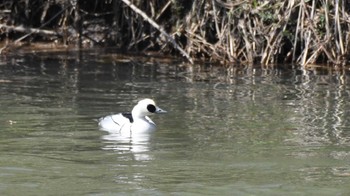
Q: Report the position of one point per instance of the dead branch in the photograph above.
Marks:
(160, 29)
(30, 30)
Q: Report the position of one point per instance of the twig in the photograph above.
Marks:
(163, 9)
(338, 26)
(215, 18)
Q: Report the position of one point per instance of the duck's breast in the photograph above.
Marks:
(143, 125)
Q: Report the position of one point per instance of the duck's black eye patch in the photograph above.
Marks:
(151, 108)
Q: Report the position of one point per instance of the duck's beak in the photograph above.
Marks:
(160, 111)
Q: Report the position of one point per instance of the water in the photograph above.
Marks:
(246, 131)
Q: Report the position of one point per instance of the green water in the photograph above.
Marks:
(228, 132)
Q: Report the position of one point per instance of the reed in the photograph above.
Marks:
(305, 32)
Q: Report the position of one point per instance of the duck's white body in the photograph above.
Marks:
(118, 122)
(135, 122)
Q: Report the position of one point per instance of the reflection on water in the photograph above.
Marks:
(137, 144)
(230, 130)
(321, 109)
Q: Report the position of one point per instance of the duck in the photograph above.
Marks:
(136, 121)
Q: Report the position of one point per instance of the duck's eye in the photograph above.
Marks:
(151, 108)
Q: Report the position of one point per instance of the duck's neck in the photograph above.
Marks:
(136, 114)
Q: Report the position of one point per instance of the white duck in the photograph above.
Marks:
(134, 121)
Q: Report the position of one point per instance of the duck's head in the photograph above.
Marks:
(146, 107)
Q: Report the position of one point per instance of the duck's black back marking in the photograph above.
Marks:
(128, 115)
(151, 108)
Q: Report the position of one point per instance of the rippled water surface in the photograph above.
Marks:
(234, 131)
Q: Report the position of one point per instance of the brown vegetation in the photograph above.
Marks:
(249, 31)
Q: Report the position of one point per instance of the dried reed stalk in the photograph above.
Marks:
(236, 31)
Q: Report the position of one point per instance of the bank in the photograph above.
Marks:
(226, 32)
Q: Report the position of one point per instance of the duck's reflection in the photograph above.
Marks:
(121, 142)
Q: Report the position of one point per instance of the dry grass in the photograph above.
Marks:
(305, 32)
